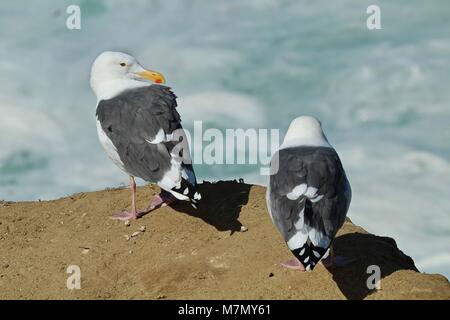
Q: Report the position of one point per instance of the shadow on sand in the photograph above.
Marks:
(220, 205)
(369, 250)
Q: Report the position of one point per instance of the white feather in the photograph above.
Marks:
(297, 240)
(297, 192)
(305, 131)
(109, 147)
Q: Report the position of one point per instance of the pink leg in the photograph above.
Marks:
(133, 214)
(333, 261)
(293, 264)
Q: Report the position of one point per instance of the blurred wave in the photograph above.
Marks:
(382, 96)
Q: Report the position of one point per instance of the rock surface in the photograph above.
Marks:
(186, 253)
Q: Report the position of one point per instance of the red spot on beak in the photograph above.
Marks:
(158, 81)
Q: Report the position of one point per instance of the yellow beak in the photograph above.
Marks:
(154, 76)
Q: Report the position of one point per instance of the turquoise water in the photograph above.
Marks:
(382, 96)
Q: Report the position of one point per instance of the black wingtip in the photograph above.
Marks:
(195, 199)
(309, 255)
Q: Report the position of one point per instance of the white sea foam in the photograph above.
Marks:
(382, 97)
(224, 109)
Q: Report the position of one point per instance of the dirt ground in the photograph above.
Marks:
(186, 253)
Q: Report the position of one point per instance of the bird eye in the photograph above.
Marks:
(123, 64)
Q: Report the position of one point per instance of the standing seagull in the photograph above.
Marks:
(140, 130)
(309, 195)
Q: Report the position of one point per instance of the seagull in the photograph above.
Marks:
(308, 195)
(140, 129)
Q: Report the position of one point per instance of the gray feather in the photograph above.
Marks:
(318, 167)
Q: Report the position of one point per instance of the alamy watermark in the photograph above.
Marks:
(74, 280)
(213, 146)
(373, 21)
(73, 21)
(374, 280)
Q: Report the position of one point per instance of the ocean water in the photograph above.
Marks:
(383, 96)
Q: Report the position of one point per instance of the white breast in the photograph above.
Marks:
(109, 147)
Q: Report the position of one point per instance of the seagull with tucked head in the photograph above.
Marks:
(308, 195)
(140, 129)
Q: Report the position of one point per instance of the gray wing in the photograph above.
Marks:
(308, 200)
(141, 123)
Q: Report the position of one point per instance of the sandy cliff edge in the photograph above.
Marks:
(186, 253)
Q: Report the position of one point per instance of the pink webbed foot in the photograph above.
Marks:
(128, 215)
(158, 201)
(294, 264)
(161, 200)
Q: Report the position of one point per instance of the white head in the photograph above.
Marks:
(305, 131)
(114, 72)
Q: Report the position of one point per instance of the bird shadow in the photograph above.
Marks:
(220, 205)
(368, 250)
